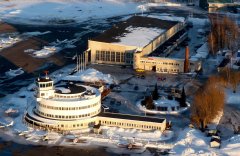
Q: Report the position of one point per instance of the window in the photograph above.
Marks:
(122, 57)
(97, 55)
(117, 56)
(107, 56)
(102, 55)
(113, 56)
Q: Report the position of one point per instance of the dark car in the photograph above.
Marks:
(142, 77)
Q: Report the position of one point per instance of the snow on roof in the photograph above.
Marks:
(63, 90)
(168, 17)
(202, 52)
(137, 31)
(139, 36)
(90, 75)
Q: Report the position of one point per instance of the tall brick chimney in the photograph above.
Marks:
(186, 61)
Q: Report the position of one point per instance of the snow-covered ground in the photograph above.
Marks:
(63, 12)
(137, 134)
(90, 75)
(233, 98)
(7, 40)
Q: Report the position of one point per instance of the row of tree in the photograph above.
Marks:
(224, 34)
(148, 100)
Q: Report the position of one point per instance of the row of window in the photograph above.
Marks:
(130, 125)
(78, 125)
(164, 63)
(112, 56)
(67, 96)
(68, 108)
(166, 108)
(167, 70)
(44, 85)
(62, 125)
(68, 116)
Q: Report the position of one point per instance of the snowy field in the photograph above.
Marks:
(63, 12)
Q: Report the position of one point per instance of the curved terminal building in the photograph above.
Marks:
(75, 106)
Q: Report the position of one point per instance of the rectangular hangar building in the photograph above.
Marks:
(137, 34)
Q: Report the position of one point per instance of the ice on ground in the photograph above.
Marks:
(90, 75)
(138, 36)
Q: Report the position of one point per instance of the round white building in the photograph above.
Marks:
(66, 107)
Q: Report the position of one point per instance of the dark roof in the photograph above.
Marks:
(215, 139)
(43, 79)
(119, 29)
(131, 117)
(224, 62)
(73, 89)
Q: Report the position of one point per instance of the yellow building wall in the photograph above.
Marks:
(124, 123)
(103, 46)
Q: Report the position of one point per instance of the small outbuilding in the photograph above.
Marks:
(215, 142)
(97, 128)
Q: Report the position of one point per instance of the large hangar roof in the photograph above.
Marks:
(136, 31)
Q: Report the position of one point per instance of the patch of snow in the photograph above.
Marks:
(198, 21)
(90, 75)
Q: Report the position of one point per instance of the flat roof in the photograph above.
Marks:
(131, 117)
(73, 89)
(136, 31)
(43, 79)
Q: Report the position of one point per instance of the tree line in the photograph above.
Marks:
(224, 34)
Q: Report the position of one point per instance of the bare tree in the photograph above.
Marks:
(224, 34)
(230, 77)
(207, 103)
